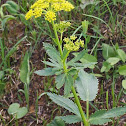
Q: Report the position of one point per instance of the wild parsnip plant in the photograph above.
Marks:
(70, 73)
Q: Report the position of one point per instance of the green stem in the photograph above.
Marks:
(57, 40)
(80, 107)
(64, 62)
(87, 109)
(2, 44)
(66, 56)
(61, 38)
(113, 92)
(107, 100)
(16, 122)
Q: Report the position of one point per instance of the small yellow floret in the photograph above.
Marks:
(56, 6)
(40, 4)
(37, 12)
(62, 26)
(81, 43)
(73, 37)
(66, 39)
(73, 46)
(29, 14)
(50, 16)
(67, 6)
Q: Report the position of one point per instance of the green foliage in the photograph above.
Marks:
(55, 56)
(25, 69)
(46, 72)
(67, 71)
(68, 84)
(60, 80)
(87, 86)
(122, 70)
(13, 108)
(112, 56)
(57, 122)
(121, 54)
(71, 119)
(103, 116)
(5, 20)
(25, 76)
(88, 59)
(108, 51)
(1, 74)
(12, 7)
(113, 60)
(106, 67)
(65, 103)
(5, 54)
(85, 26)
(17, 111)
(124, 84)
(22, 17)
(76, 58)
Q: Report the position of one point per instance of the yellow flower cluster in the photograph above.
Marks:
(64, 5)
(48, 8)
(50, 16)
(67, 6)
(62, 26)
(73, 46)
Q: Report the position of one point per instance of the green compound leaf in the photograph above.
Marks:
(122, 70)
(25, 69)
(13, 108)
(46, 72)
(52, 52)
(99, 121)
(76, 58)
(60, 80)
(103, 116)
(65, 103)
(108, 51)
(87, 86)
(21, 112)
(71, 119)
(68, 84)
(51, 64)
(96, 118)
(115, 112)
(57, 122)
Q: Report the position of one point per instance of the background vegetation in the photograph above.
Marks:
(22, 53)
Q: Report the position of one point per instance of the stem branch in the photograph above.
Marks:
(80, 107)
